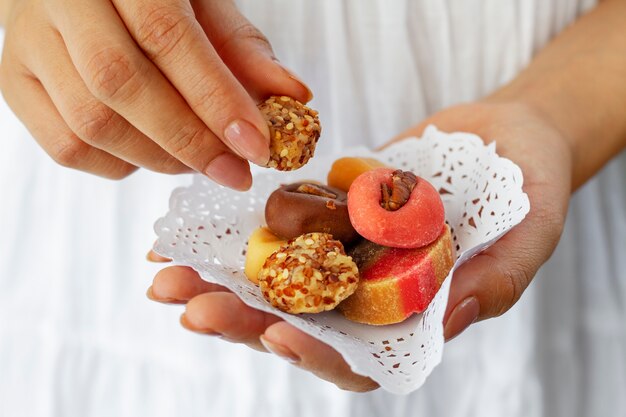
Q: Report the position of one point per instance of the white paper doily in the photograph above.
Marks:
(207, 228)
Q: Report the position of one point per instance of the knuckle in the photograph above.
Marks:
(210, 97)
(249, 32)
(515, 281)
(172, 166)
(122, 172)
(551, 220)
(165, 163)
(69, 152)
(162, 29)
(95, 126)
(246, 32)
(187, 143)
(111, 73)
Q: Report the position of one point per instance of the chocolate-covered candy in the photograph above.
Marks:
(306, 207)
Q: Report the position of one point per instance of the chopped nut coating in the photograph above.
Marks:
(313, 189)
(294, 131)
(309, 275)
(396, 196)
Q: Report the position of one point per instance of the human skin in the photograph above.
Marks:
(560, 120)
(484, 287)
(106, 86)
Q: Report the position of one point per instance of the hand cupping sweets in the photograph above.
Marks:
(294, 131)
(392, 221)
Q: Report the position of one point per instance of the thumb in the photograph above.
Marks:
(247, 52)
(489, 284)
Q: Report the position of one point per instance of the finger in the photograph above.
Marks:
(313, 355)
(92, 121)
(172, 38)
(33, 107)
(152, 256)
(120, 76)
(247, 52)
(491, 283)
(223, 313)
(178, 285)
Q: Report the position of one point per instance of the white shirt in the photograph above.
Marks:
(78, 337)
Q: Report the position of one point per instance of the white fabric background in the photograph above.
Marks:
(78, 337)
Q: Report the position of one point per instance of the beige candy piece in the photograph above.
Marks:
(310, 275)
(294, 131)
(261, 244)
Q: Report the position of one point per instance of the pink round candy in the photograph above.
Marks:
(417, 223)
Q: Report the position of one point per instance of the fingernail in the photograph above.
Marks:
(280, 350)
(151, 296)
(464, 314)
(189, 326)
(294, 77)
(230, 171)
(152, 256)
(248, 142)
(149, 293)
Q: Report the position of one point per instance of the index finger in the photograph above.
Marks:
(169, 34)
(119, 75)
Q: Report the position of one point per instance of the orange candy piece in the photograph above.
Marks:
(345, 170)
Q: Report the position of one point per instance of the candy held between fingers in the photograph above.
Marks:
(395, 208)
(310, 275)
(396, 283)
(261, 244)
(294, 132)
(305, 207)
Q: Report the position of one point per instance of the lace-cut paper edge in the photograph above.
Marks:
(483, 196)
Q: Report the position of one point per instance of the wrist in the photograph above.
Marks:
(547, 135)
(528, 99)
(576, 84)
(590, 123)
